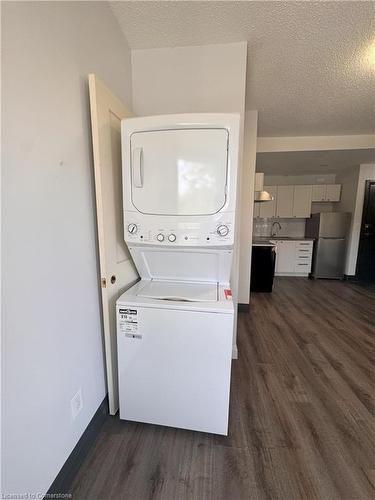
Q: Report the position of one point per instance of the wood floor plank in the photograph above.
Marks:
(302, 422)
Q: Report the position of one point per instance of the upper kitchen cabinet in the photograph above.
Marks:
(256, 210)
(294, 201)
(319, 192)
(284, 201)
(326, 192)
(268, 208)
(333, 192)
(302, 201)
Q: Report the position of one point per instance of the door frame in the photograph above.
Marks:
(366, 201)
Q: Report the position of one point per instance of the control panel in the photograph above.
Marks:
(215, 231)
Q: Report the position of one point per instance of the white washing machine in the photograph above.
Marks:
(175, 353)
(175, 326)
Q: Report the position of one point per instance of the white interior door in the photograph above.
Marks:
(117, 271)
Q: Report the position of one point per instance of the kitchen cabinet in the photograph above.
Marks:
(258, 181)
(319, 192)
(302, 201)
(293, 258)
(333, 192)
(285, 258)
(256, 210)
(303, 257)
(284, 201)
(294, 201)
(268, 208)
(326, 192)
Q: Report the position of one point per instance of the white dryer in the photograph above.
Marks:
(175, 326)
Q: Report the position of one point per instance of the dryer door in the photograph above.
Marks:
(179, 172)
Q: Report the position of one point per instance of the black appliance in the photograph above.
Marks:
(262, 267)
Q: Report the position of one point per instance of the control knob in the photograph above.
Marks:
(172, 237)
(132, 228)
(160, 237)
(222, 230)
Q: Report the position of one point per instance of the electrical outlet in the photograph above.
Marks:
(76, 403)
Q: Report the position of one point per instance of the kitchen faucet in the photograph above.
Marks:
(273, 230)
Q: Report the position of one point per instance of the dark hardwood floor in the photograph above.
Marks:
(302, 422)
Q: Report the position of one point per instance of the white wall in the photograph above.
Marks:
(315, 143)
(247, 205)
(317, 208)
(283, 180)
(349, 185)
(364, 173)
(52, 342)
(206, 78)
(210, 78)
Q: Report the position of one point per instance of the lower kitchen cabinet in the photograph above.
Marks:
(293, 258)
(285, 256)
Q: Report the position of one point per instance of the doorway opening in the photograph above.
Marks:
(366, 251)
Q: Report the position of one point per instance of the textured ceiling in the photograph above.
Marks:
(312, 162)
(308, 73)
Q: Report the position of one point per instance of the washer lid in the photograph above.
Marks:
(180, 291)
(198, 265)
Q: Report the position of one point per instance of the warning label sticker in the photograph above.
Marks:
(128, 323)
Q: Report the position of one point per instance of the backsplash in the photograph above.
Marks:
(289, 227)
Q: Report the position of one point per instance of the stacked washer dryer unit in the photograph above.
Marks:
(175, 326)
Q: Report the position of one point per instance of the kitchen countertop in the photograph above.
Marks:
(263, 243)
(292, 238)
(266, 240)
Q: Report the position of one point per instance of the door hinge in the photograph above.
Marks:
(103, 282)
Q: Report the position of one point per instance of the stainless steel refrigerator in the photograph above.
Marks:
(329, 229)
